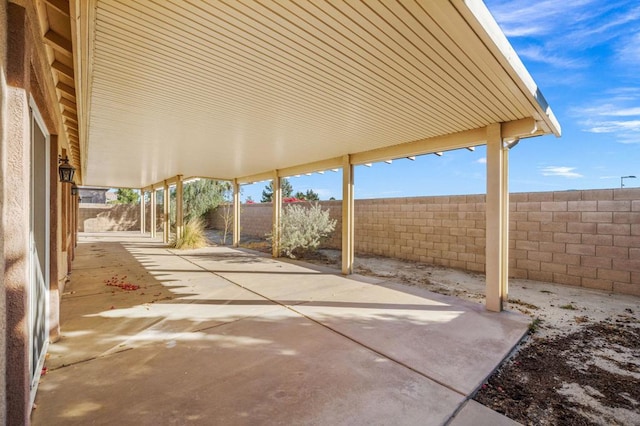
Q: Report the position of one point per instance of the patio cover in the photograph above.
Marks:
(161, 91)
(238, 89)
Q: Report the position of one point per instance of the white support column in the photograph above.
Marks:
(153, 200)
(497, 220)
(236, 213)
(276, 199)
(504, 271)
(166, 228)
(143, 213)
(179, 207)
(348, 217)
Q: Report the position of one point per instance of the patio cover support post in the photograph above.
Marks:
(166, 224)
(348, 217)
(74, 228)
(276, 199)
(143, 215)
(179, 207)
(497, 220)
(153, 200)
(56, 287)
(236, 213)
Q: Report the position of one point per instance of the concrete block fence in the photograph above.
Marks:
(108, 217)
(93, 217)
(582, 238)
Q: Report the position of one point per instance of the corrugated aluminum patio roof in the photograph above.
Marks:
(233, 89)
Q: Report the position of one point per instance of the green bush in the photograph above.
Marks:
(302, 228)
(192, 236)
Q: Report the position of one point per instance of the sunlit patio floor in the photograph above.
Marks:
(225, 336)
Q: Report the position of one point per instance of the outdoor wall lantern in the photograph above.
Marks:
(74, 188)
(66, 170)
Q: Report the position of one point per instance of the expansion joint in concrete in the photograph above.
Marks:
(292, 309)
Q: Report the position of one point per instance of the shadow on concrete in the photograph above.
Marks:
(205, 343)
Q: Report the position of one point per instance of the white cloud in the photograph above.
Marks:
(563, 171)
(538, 54)
(622, 94)
(609, 110)
(578, 21)
(614, 26)
(620, 116)
(615, 126)
(525, 18)
(629, 51)
(569, 28)
(629, 138)
(524, 31)
(625, 112)
(482, 160)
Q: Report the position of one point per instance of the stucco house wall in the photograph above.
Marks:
(3, 178)
(25, 80)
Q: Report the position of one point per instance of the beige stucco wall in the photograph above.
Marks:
(3, 182)
(24, 77)
(15, 216)
(581, 238)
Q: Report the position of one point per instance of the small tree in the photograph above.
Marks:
(226, 213)
(310, 195)
(202, 195)
(198, 198)
(285, 186)
(127, 196)
(302, 228)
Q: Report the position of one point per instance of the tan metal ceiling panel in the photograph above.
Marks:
(238, 88)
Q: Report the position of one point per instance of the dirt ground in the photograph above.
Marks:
(580, 364)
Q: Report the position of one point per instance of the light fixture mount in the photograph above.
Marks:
(65, 170)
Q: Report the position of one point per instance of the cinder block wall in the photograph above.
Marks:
(116, 217)
(255, 221)
(447, 231)
(581, 238)
(147, 220)
(108, 217)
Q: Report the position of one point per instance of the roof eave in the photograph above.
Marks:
(488, 30)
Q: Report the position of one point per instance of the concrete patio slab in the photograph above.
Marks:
(288, 283)
(455, 342)
(231, 337)
(408, 324)
(278, 368)
(475, 414)
(98, 319)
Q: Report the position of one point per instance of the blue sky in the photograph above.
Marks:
(585, 57)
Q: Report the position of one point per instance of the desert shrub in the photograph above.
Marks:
(302, 228)
(192, 236)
